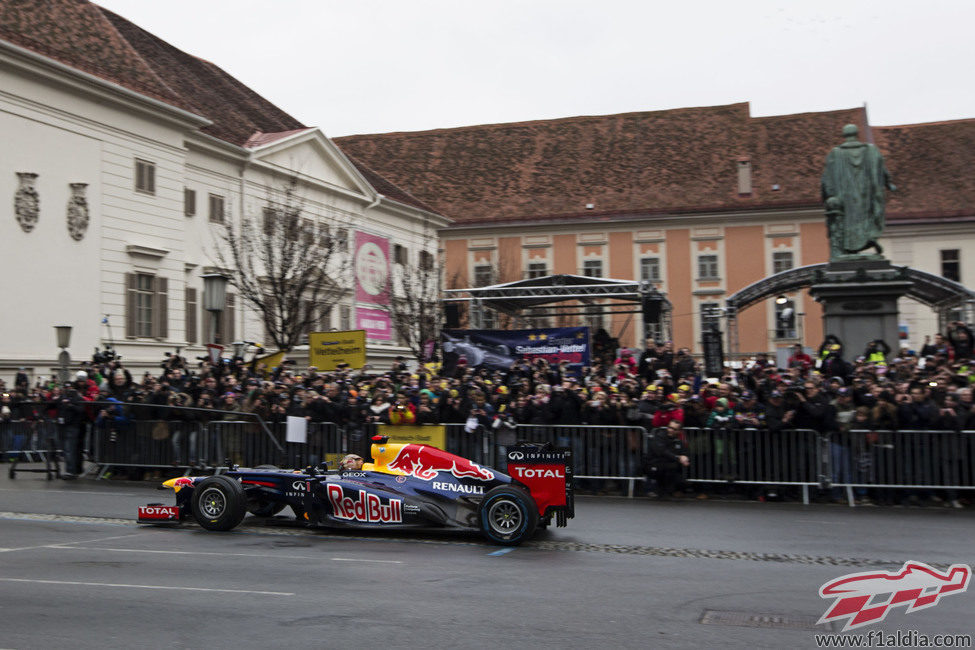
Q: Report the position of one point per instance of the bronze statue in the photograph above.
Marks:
(853, 187)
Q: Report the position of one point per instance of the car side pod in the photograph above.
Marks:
(547, 473)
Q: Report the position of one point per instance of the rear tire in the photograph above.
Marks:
(508, 515)
(219, 503)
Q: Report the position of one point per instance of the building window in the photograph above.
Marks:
(146, 309)
(782, 261)
(190, 305)
(785, 320)
(710, 316)
(216, 208)
(399, 254)
(707, 267)
(744, 177)
(189, 202)
(426, 261)
(483, 275)
(268, 217)
(592, 268)
(345, 317)
(342, 239)
(951, 264)
(650, 269)
(537, 270)
(489, 318)
(145, 176)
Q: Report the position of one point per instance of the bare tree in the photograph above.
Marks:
(414, 307)
(284, 264)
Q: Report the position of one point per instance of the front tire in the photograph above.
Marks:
(508, 516)
(219, 503)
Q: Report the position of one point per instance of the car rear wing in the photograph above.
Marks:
(547, 473)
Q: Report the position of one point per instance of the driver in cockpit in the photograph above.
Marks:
(351, 463)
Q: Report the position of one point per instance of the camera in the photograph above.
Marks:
(104, 357)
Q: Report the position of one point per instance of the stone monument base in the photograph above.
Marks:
(859, 299)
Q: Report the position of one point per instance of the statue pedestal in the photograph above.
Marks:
(859, 299)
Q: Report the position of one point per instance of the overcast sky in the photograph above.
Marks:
(369, 66)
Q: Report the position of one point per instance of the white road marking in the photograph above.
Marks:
(110, 584)
(161, 552)
(96, 492)
(64, 545)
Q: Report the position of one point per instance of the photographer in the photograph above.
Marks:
(667, 458)
(72, 418)
(402, 411)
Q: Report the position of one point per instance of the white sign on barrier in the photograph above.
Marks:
(297, 430)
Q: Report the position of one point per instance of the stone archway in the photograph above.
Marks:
(938, 293)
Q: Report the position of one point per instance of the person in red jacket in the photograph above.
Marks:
(800, 359)
(670, 411)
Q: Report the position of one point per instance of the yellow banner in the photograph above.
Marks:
(326, 350)
(434, 435)
(273, 360)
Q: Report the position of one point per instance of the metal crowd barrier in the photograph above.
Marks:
(32, 441)
(174, 443)
(755, 456)
(907, 460)
(599, 452)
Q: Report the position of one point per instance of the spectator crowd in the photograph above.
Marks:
(926, 389)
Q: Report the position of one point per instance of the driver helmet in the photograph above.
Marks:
(351, 462)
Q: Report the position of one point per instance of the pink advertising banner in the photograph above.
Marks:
(375, 321)
(371, 269)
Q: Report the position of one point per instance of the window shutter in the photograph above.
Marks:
(190, 309)
(228, 321)
(130, 285)
(207, 326)
(160, 328)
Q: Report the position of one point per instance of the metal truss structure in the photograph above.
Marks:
(561, 295)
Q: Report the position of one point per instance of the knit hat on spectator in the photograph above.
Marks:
(81, 375)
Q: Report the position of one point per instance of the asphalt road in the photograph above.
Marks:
(76, 570)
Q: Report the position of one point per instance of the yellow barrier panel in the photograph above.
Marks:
(434, 435)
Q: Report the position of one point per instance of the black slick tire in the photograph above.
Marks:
(508, 516)
(219, 503)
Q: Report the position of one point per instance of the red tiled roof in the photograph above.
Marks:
(931, 165)
(92, 39)
(661, 162)
(259, 138)
(386, 188)
(78, 34)
(236, 110)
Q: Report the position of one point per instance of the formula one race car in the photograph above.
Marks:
(408, 486)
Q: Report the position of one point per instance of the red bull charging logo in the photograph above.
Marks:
(865, 598)
(426, 462)
(367, 508)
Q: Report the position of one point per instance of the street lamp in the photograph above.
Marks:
(63, 333)
(781, 300)
(214, 300)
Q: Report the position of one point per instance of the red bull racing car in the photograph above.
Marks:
(407, 486)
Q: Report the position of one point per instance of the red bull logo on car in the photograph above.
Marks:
(366, 508)
(426, 462)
